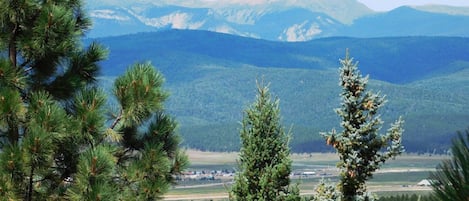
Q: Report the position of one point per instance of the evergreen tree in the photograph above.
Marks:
(55, 139)
(359, 145)
(265, 165)
(325, 192)
(451, 179)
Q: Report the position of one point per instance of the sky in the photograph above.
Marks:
(385, 5)
(377, 5)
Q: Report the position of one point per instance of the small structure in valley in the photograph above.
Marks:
(424, 182)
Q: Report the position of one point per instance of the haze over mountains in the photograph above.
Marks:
(417, 56)
(298, 20)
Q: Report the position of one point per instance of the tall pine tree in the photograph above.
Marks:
(56, 141)
(265, 165)
(361, 149)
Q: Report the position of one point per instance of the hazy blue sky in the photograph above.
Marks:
(378, 5)
(382, 5)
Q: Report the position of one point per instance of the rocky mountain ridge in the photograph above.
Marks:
(277, 21)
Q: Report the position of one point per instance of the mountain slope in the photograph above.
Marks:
(344, 11)
(450, 10)
(115, 21)
(392, 59)
(407, 21)
(278, 20)
(289, 24)
(211, 78)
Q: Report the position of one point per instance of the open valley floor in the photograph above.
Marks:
(211, 174)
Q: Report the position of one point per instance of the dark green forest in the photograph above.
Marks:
(209, 76)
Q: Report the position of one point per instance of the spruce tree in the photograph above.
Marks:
(361, 149)
(450, 181)
(56, 141)
(265, 165)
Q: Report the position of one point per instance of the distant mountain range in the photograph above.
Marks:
(300, 20)
(211, 79)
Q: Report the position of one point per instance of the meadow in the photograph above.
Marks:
(399, 176)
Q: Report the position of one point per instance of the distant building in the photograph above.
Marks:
(424, 182)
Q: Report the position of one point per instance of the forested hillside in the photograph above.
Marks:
(211, 78)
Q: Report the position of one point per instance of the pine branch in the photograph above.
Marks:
(117, 120)
(29, 69)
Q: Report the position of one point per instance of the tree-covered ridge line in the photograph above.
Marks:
(208, 99)
(209, 107)
(391, 59)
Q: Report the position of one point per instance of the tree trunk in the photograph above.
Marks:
(12, 46)
(13, 131)
(350, 190)
(29, 196)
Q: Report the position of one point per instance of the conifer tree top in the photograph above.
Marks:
(361, 148)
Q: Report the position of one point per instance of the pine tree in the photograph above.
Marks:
(451, 178)
(325, 191)
(56, 141)
(265, 165)
(361, 149)
(139, 153)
